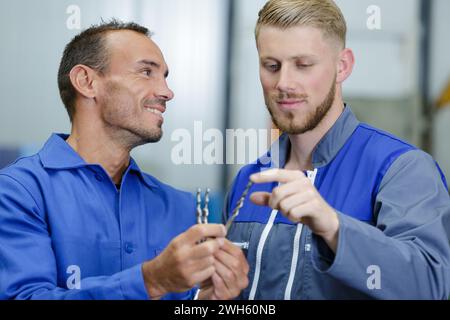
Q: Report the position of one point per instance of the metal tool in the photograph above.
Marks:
(238, 207)
(202, 213)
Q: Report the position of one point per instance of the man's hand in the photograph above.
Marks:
(230, 277)
(185, 262)
(299, 201)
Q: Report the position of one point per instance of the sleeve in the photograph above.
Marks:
(407, 254)
(27, 261)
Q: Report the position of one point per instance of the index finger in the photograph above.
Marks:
(231, 248)
(201, 231)
(279, 175)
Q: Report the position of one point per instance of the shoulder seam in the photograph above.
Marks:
(20, 184)
(20, 159)
(382, 133)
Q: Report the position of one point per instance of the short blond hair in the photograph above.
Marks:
(324, 15)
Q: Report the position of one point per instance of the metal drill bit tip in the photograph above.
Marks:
(247, 188)
(202, 213)
(239, 205)
(199, 206)
(205, 207)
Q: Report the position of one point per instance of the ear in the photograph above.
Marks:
(346, 61)
(84, 80)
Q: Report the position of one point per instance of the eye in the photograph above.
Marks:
(272, 67)
(147, 72)
(304, 65)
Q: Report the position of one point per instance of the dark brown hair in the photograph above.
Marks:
(89, 48)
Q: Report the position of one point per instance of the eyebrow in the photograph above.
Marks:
(153, 64)
(303, 56)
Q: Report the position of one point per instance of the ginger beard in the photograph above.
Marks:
(292, 122)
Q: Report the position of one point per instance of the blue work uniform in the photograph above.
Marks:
(67, 232)
(394, 213)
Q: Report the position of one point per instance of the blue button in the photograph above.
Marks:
(129, 247)
(98, 177)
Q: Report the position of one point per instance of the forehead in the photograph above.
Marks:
(128, 47)
(292, 41)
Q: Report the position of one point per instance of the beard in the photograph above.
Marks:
(120, 115)
(291, 123)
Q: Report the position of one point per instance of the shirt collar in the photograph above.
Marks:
(326, 149)
(146, 178)
(58, 155)
(335, 138)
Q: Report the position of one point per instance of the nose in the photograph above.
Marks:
(164, 92)
(286, 80)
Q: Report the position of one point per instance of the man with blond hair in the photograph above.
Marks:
(343, 210)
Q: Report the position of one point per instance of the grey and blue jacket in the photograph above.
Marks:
(394, 213)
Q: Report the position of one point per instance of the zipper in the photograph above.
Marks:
(296, 247)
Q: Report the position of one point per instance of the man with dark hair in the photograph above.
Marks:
(344, 210)
(89, 48)
(80, 220)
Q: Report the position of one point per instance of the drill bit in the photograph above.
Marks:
(239, 205)
(205, 210)
(199, 206)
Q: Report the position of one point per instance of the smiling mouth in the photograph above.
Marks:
(158, 110)
(152, 110)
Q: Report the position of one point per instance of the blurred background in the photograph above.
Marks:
(401, 82)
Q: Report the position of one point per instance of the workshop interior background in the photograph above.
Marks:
(401, 82)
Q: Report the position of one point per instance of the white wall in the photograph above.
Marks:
(386, 59)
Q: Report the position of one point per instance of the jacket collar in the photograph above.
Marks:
(326, 149)
(58, 155)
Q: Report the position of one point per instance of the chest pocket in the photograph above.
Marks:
(92, 257)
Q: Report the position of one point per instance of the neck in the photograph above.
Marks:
(95, 145)
(303, 145)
